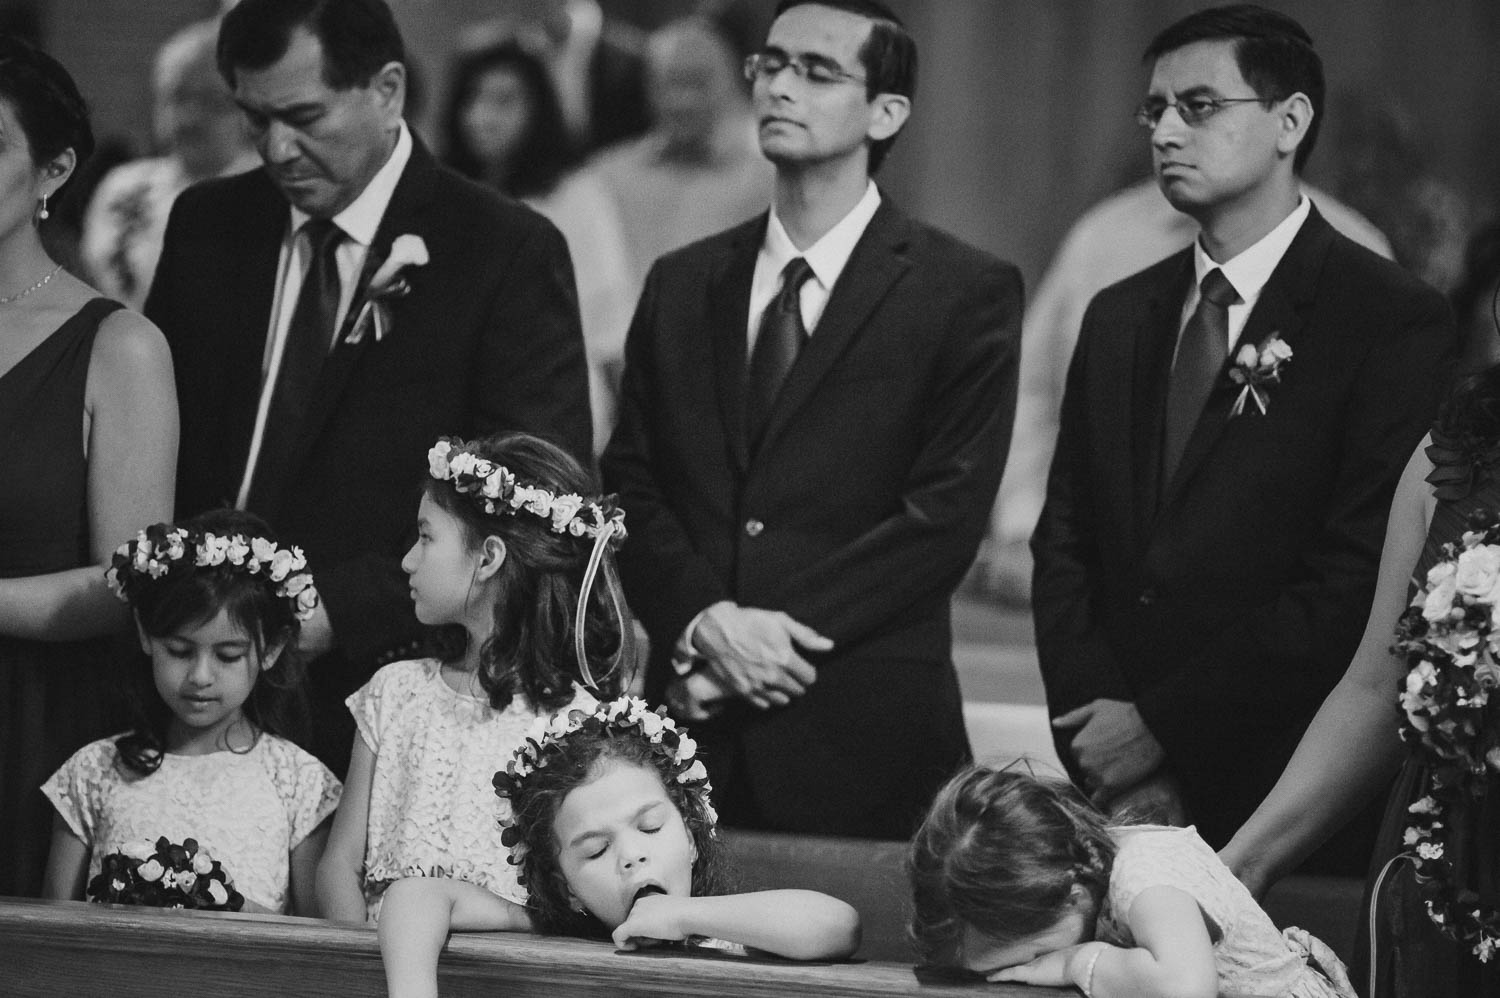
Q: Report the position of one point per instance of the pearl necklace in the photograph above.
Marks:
(35, 287)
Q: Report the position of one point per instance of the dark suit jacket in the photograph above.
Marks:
(1227, 603)
(488, 339)
(858, 514)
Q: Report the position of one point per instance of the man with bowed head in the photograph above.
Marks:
(814, 416)
(1234, 423)
(334, 311)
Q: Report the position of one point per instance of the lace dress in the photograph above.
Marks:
(1412, 958)
(1253, 957)
(248, 810)
(433, 809)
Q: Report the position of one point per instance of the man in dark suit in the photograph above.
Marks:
(815, 412)
(313, 372)
(1234, 423)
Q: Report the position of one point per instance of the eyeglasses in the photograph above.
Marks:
(1193, 110)
(765, 65)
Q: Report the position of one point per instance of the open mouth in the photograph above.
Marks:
(647, 890)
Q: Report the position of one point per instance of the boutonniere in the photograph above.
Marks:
(1256, 369)
(388, 284)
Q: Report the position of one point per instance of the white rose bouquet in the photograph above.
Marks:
(1450, 718)
(165, 875)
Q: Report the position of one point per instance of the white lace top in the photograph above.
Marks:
(248, 810)
(1253, 957)
(433, 809)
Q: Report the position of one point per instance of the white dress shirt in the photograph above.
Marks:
(358, 223)
(1247, 272)
(827, 257)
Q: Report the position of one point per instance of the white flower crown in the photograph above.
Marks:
(627, 714)
(496, 491)
(162, 549)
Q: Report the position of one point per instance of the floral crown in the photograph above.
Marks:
(494, 489)
(630, 715)
(162, 550)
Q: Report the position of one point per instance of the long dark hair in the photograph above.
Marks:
(1001, 851)
(579, 759)
(545, 151)
(277, 704)
(531, 648)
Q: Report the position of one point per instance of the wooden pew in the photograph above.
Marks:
(74, 949)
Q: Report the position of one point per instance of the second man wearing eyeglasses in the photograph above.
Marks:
(1235, 420)
(815, 414)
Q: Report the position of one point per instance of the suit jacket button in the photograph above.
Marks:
(1147, 597)
(753, 528)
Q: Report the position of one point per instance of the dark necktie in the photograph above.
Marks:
(308, 337)
(1200, 358)
(776, 345)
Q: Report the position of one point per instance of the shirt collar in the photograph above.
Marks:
(362, 217)
(829, 254)
(1249, 271)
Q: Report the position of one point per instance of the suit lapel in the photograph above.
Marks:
(875, 265)
(244, 342)
(728, 317)
(403, 214)
(1155, 344)
(1281, 309)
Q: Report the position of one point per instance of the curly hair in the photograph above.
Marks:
(1001, 851)
(277, 704)
(580, 759)
(530, 650)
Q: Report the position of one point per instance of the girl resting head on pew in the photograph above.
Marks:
(614, 837)
(215, 696)
(507, 553)
(1016, 878)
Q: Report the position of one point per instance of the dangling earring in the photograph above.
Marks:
(42, 213)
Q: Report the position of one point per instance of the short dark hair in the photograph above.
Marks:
(889, 56)
(1275, 55)
(47, 103)
(358, 37)
(546, 149)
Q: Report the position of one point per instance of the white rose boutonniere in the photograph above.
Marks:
(373, 317)
(1256, 369)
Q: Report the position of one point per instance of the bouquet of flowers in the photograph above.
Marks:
(165, 875)
(1450, 717)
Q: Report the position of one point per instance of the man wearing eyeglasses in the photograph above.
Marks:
(815, 414)
(1235, 420)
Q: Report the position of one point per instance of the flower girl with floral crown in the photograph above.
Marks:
(1021, 879)
(506, 556)
(217, 606)
(612, 832)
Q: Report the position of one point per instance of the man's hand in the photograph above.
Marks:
(316, 637)
(1156, 799)
(1113, 747)
(754, 653)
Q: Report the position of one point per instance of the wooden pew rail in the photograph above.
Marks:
(71, 948)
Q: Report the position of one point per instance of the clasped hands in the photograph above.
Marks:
(1121, 760)
(751, 654)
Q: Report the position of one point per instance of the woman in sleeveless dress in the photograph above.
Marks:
(88, 450)
(1352, 749)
